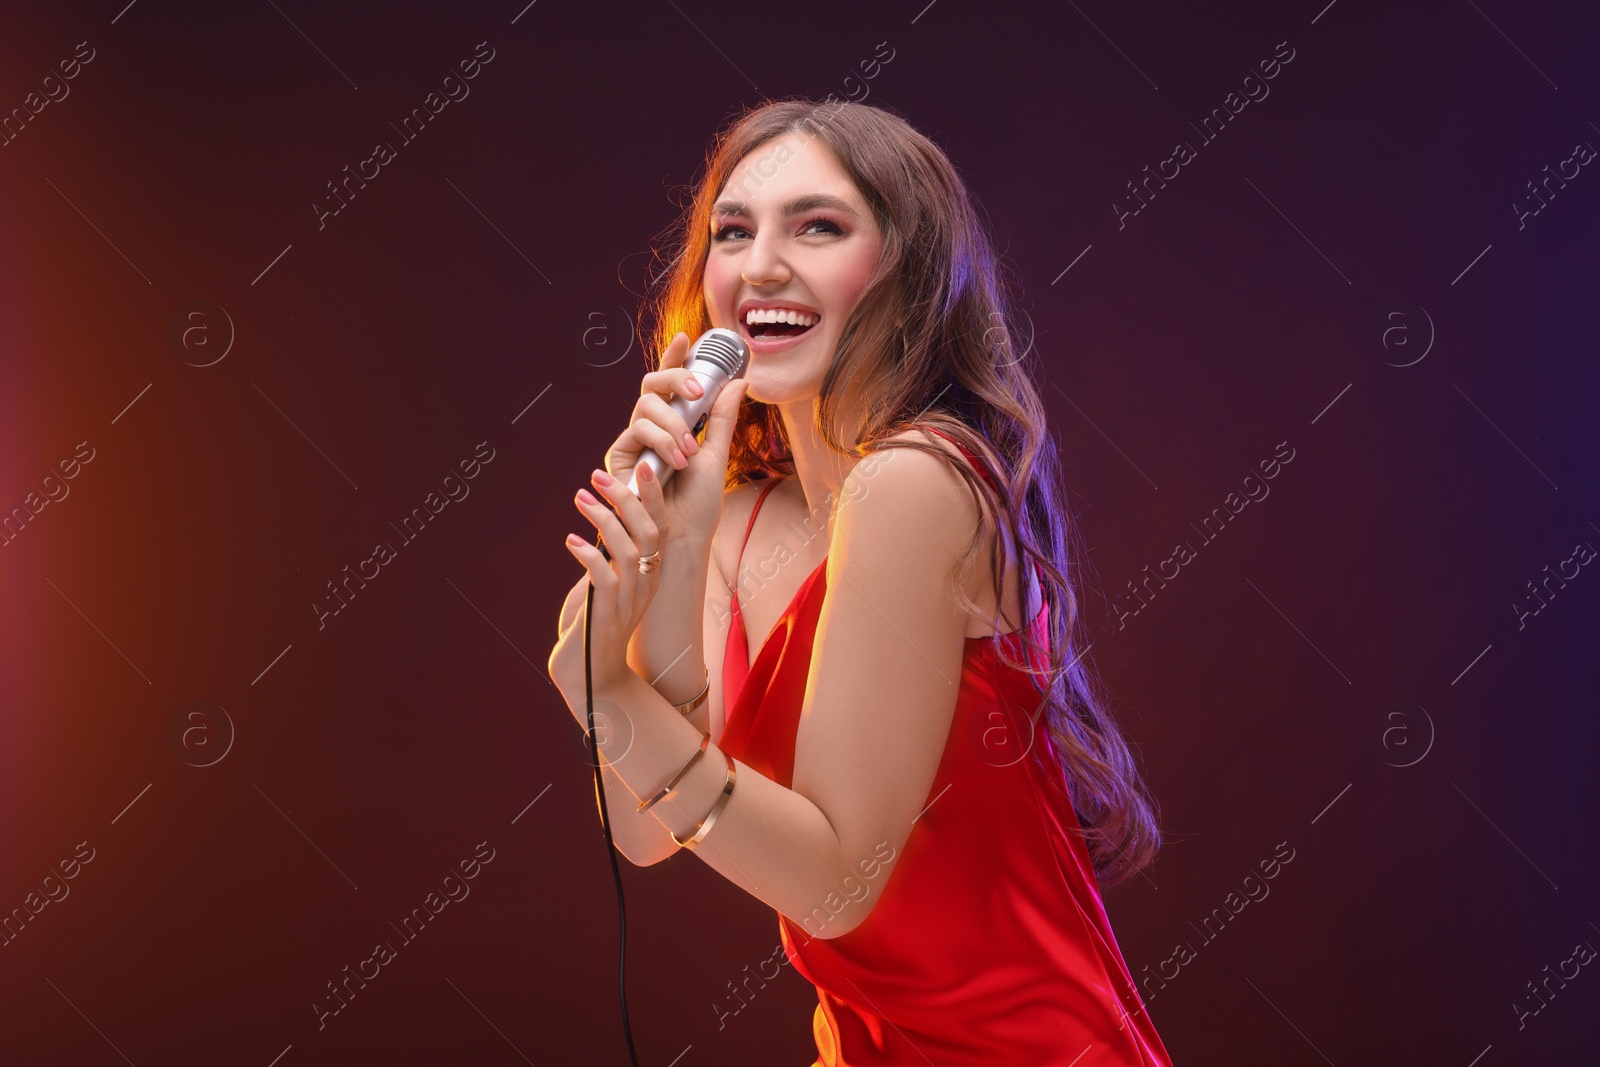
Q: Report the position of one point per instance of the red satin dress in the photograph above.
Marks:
(988, 945)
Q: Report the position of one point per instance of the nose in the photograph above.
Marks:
(764, 263)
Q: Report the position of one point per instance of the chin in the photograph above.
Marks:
(790, 393)
(779, 393)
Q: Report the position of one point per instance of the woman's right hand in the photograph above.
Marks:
(693, 493)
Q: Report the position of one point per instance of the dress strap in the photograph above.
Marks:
(736, 650)
(772, 483)
(965, 452)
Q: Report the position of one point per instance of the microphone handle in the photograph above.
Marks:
(694, 412)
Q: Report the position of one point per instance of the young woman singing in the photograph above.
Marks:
(836, 652)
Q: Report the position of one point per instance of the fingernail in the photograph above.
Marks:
(646, 473)
(678, 460)
(587, 497)
(602, 478)
(695, 388)
(690, 445)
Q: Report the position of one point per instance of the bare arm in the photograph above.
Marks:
(640, 837)
(667, 644)
(668, 648)
(676, 646)
(879, 701)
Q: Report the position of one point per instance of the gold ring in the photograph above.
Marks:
(649, 563)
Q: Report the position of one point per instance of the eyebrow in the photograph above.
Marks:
(793, 207)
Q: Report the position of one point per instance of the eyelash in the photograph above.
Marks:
(722, 234)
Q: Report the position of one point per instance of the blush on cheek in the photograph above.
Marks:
(851, 280)
(719, 283)
(854, 281)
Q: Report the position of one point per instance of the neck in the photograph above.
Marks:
(818, 467)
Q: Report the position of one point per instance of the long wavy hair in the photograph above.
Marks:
(933, 336)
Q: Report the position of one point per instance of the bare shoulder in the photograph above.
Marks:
(924, 506)
(915, 487)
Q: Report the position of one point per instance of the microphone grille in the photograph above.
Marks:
(724, 348)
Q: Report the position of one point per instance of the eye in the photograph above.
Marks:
(832, 227)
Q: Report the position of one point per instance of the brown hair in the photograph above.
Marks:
(953, 366)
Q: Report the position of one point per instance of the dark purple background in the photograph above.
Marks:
(498, 261)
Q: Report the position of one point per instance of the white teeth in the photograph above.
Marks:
(793, 318)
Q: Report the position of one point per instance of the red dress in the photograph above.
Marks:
(988, 945)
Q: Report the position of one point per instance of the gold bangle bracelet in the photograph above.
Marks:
(689, 707)
(646, 805)
(716, 809)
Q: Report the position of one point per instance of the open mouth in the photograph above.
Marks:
(776, 329)
(775, 323)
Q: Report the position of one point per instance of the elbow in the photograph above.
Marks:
(843, 903)
(820, 926)
(836, 916)
(643, 859)
(636, 859)
(836, 929)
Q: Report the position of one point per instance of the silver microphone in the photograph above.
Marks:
(716, 359)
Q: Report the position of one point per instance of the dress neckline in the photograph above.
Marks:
(751, 658)
(789, 610)
(783, 616)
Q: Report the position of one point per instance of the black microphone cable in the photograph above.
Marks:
(605, 821)
(726, 354)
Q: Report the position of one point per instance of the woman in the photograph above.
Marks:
(914, 767)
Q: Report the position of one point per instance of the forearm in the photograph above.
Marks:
(667, 648)
(639, 836)
(769, 840)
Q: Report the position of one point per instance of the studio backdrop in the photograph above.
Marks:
(314, 317)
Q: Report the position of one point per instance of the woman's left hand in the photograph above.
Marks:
(621, 592)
